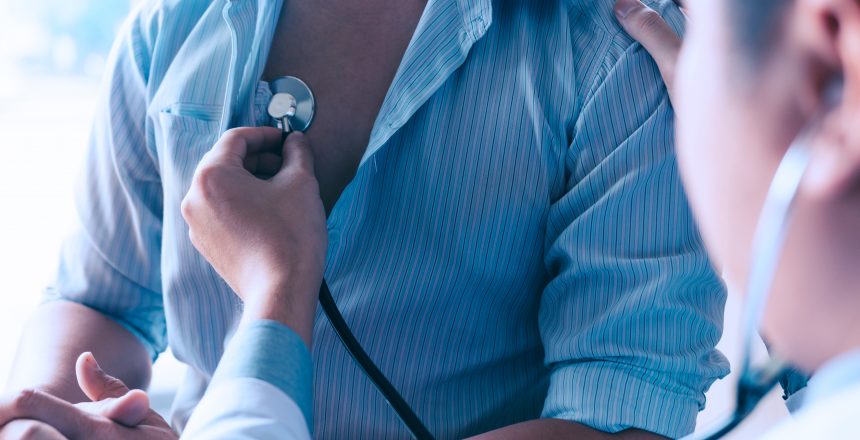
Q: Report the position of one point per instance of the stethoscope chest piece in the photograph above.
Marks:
(292, 105)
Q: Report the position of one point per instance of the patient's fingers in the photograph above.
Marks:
(37, 405)
(28, 429)
(648, 27)
(94, 382)
(129, 410)
(111, 398)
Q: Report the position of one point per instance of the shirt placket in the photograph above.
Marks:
(251, 28)
(443, 38)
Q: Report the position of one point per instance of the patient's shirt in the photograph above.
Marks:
(515, 244)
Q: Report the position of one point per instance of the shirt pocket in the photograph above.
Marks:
(184, 133)
(182, 116)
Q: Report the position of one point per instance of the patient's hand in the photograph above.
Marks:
(114, 413)
(266, 238)
(28, 429)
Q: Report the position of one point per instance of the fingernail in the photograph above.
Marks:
(626, 7)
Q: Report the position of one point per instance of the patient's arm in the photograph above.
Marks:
(58, 333)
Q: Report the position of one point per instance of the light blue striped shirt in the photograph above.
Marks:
(516, 243)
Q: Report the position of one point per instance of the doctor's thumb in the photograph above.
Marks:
(297, 154)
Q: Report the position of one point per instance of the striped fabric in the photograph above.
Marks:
(516, 243)
(255, 347)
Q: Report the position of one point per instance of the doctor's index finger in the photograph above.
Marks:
(237, 144)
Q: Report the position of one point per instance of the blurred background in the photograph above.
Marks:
(52, 56)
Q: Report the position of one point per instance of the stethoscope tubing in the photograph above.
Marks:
(295, 112)
(389, 392)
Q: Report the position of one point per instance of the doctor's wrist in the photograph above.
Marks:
(291, 305)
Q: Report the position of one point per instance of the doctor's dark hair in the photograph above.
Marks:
(756, 24)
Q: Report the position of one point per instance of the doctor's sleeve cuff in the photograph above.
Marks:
(611, 398)
(273, 353)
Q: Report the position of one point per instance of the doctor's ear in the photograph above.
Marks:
(830, 29)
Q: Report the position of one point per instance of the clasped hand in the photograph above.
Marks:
(266, 237)
(114, 413)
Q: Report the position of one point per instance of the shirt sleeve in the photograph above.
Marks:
(112, 262)
(269, 366)
(633, 311)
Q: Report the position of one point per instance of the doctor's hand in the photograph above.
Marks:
(115, 411)
(648, 27)
(266, 237)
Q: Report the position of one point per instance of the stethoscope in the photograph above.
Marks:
(767, 246)
(292, 108)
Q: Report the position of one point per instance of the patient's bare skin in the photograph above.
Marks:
(348, 53)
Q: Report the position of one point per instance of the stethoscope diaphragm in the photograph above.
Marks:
(292, 105)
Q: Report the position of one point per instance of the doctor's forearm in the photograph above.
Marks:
(58, 333)
(560, 429)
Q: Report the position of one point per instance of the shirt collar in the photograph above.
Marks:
(475, 13)
(834, 377)
(442, 41)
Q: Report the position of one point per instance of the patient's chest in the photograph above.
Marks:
(444, 223)
(349, 60)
